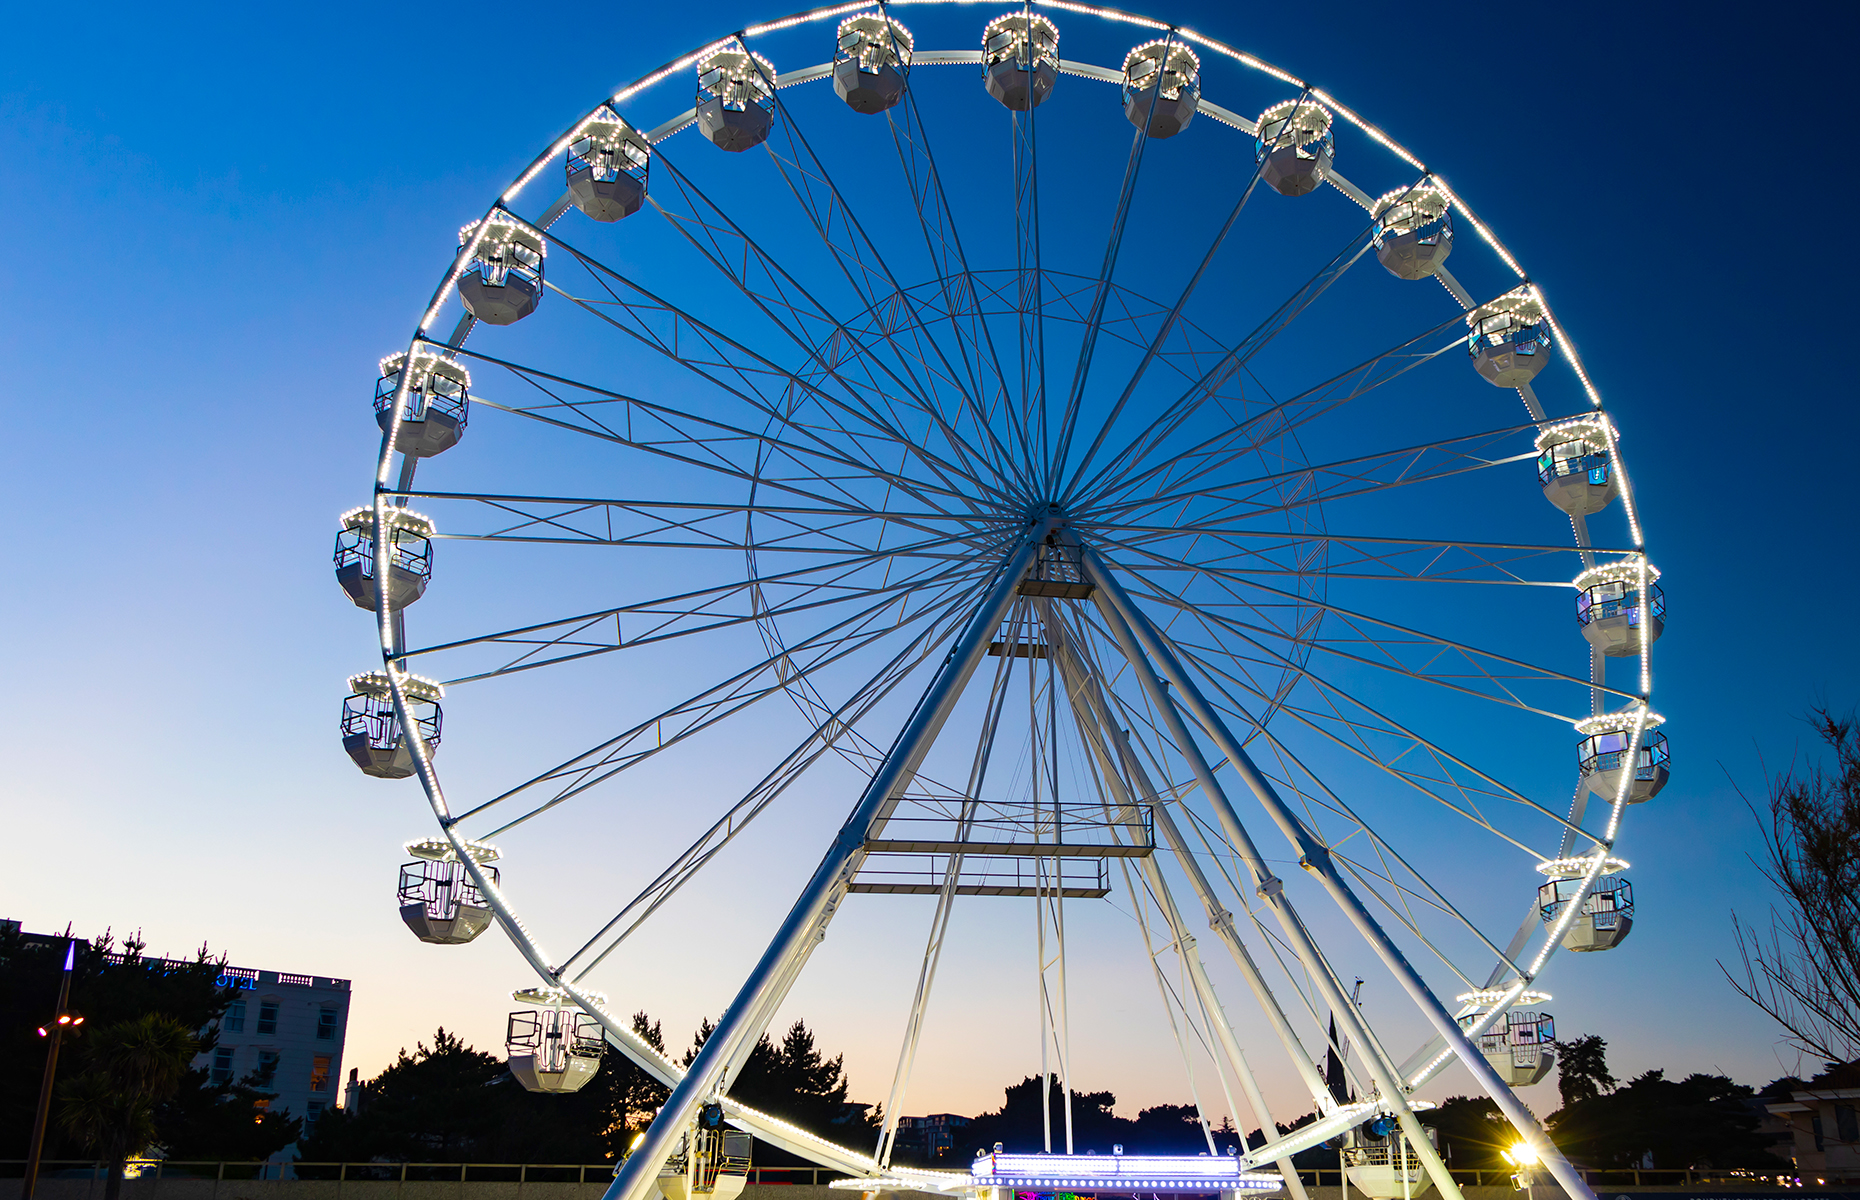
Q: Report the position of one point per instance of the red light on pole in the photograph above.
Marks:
(51, 1068)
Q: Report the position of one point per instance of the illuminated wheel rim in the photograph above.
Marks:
(953, 394)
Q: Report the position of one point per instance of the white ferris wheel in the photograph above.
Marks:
(1104, 492)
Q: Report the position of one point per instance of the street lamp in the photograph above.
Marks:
(1523, 1156)
(55, 1029)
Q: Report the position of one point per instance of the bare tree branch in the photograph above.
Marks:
(1806, 972)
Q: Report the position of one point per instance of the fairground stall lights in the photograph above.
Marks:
(1119, 1172)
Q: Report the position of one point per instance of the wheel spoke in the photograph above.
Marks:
(865, 268)
(714, 445)
(1220, 506)
(956, 284)
(1154, 349)
(704, 611)
(1245, 437)
(674, 525)
(831, 346)
(771, 390)
(819, 740)
(1397, 648)
(1360, 732)
(1272, 552)
(1208, 388)
(721, 701)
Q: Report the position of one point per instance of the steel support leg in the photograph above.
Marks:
(755, 1003)
(1314, 858)
(1102, 735)
(1219, 918)
(1112, 605)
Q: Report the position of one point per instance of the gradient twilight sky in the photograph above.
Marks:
(226, 215)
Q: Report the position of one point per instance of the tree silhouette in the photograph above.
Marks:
(1473, 1133)
(129, 1067)
(1161, 1129)
(1582, 1069)
(796, 1081)
(452, 1103)
(112, 982)
(438, 1104)
(1698, 1121)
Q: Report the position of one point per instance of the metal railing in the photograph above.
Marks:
(157, 1169)
(154, 1171)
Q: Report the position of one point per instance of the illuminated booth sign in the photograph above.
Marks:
(1116, 1173)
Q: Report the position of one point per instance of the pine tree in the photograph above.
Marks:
(1582, 1069)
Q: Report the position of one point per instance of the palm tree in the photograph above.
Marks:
(130, 1067)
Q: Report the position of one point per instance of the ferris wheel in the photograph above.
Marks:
(1020, 446)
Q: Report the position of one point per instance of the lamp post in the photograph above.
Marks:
(1523, 1157)
(55, 1030)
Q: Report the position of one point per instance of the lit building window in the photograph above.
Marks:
(319, 1073)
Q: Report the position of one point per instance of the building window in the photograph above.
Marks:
(268, 1016)
(1815, 1123)
(326, 1025)
(267, 1067)
(1844, 1124)
(262, 1104)
(235, 1017)
(312, 1111)
(222, 1066)
(319, 1073)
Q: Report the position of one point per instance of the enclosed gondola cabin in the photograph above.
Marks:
(1509, 339)
(439, 900)
(1020, 60)
(553, 1046)
(503, 280)
(371, 733)
(1607, 913)
(1162, 87)
(1620, 606)
(1295, 147)
(410, 557)
(710, 1162)
(607, 164)
(1381, 1164)
(1520, 1046)
(736, 99)
(1414, 230)
(433, 407)
(870, 62)
(1575, 466)
(1603, 755)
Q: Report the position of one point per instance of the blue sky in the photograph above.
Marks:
(224, 216)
